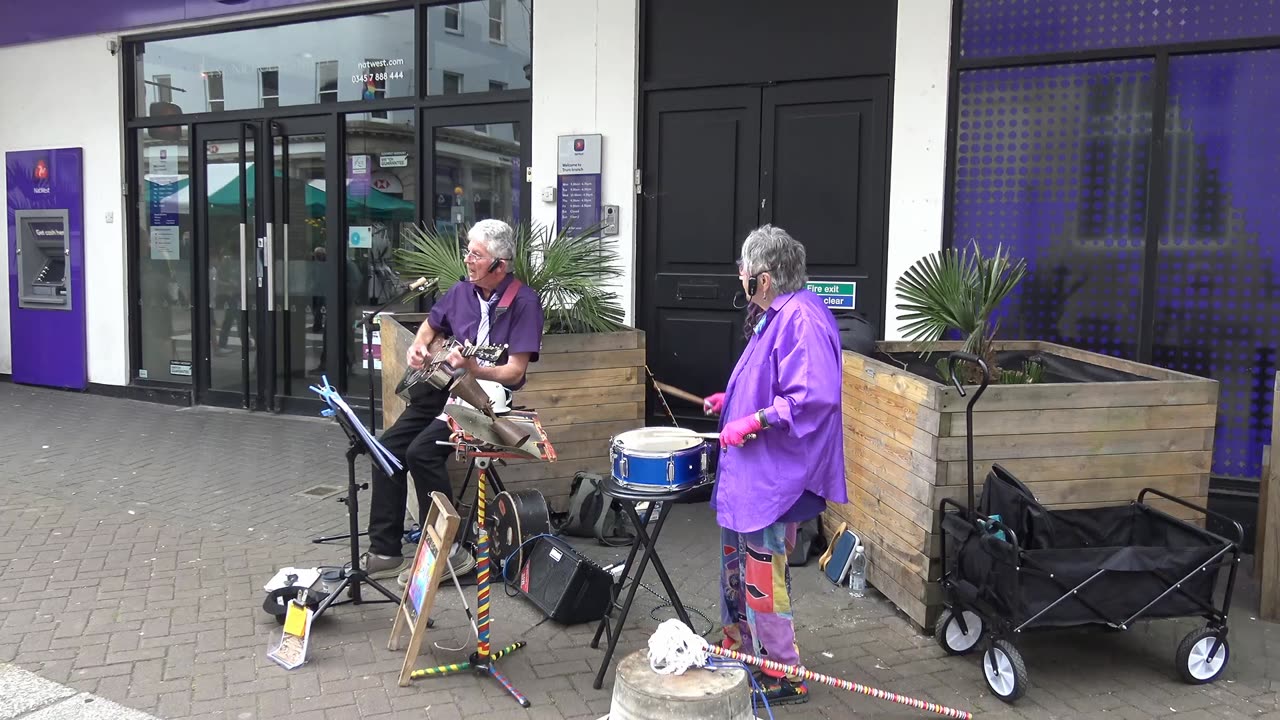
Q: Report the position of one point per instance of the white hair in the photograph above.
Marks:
(497, 236)
(770, 249)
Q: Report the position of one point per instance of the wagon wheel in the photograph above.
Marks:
(1194, 664)
(1004, 671)
(954, 640)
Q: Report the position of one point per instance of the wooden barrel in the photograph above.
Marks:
(641, 694)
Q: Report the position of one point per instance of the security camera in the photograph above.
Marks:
(113, 47)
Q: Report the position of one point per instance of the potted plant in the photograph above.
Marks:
(588, 384)
(1080, 428)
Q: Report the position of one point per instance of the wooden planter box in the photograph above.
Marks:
(586, 388)
(1076, 445)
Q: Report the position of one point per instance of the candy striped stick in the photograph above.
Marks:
(838, 683)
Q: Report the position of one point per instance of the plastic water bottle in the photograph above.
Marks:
(858, 573)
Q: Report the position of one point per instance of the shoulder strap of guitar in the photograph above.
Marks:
(508, 297)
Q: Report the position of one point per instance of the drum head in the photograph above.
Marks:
(517, 517)
(656, 441)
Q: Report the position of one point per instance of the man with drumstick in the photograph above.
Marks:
(782, 453)
(492, 307)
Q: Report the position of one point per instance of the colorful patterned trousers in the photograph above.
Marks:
(755, 593)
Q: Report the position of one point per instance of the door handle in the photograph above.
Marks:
(262, 244)
(244, 295)
(271, 295)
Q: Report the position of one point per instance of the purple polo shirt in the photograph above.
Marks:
(457, 314)
(791, 368)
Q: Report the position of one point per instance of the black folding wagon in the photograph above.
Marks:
(1010, 566)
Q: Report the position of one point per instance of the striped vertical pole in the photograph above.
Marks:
(482, 572)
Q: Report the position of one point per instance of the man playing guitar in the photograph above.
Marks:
(491, 307)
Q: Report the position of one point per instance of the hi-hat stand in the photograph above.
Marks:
(474, 443)
(482, 661)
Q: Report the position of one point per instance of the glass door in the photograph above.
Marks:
(262, 234)
(305, 259)
(224, 199)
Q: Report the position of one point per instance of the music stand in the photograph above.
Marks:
(359, 443)
(414, 291)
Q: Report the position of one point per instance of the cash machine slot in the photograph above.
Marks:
(43, 252)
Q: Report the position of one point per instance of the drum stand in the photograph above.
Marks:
(482, 661)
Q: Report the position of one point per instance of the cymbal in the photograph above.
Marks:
(479, 426)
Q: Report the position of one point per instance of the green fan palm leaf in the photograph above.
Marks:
(570, 271)
(957, 290)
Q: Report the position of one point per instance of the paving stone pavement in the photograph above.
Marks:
(135, 539)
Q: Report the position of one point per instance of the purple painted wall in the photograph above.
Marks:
(23, 21)
(48, 345)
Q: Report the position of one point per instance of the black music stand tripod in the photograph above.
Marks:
(355, 576)
(414, 291)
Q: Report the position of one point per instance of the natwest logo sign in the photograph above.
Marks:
(40, 176)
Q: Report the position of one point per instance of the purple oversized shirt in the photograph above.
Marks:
(791, 368)
(457, 314)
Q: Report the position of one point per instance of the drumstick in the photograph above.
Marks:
(677, 392)
(705, 436)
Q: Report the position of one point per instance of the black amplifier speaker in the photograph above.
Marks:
(566, 586)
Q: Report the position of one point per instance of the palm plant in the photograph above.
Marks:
(960, 291)
(569, 272)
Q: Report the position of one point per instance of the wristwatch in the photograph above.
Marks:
(764, 422)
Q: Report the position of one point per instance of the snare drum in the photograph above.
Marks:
(660, 460)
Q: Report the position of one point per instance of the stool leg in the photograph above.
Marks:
(616, 632)
(616, 590)
(662, 570)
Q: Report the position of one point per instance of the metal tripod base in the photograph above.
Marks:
(354, 580)
(484, 666)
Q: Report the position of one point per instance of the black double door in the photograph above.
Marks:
(262, 199)
(810, 157)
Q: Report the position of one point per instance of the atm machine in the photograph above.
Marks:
(45, 212)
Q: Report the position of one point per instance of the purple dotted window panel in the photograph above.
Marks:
(1217, 297)
(1051, 163)
(1006, 28)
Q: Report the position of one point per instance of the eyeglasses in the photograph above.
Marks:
(471, 255)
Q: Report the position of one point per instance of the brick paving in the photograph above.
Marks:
(135, 539)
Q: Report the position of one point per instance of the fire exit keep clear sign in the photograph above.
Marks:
(835, 294)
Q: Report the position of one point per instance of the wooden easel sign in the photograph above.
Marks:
(438, 531)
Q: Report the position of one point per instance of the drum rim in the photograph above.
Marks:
(698, 442)
(662, 488)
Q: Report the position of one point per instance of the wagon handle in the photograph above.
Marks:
(968, 410)
(1208, 513)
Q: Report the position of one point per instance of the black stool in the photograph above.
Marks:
(629, 498)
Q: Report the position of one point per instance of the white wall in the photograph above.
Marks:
(585, 55)
(75, 102)
(917, 175)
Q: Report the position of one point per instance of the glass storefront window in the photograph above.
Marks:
(333, 60)
(481, 46)
(163, 253)
(478, 174)
(381, 170)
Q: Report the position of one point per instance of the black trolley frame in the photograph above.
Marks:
(1027, 567)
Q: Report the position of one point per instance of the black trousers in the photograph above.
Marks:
(413, 440)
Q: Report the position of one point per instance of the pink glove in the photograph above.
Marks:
(735, 433)
(712, 404)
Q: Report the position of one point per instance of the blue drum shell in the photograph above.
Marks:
(649, 471)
